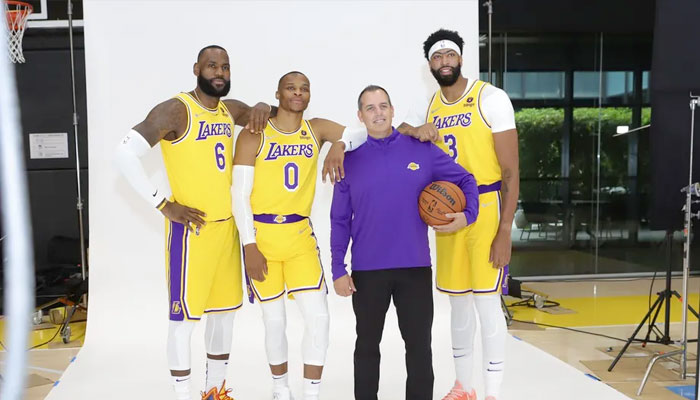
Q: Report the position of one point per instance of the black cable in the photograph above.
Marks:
(50, 340)
(577, 330)
(530, 302)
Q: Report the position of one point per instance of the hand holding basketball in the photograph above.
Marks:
(459, 221)
(439, 203)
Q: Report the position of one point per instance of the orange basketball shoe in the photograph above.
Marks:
(458, 393)
(218, 394)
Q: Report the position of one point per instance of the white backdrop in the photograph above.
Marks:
(140, 53)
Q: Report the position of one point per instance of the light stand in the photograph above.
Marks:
(79, 206)
(691, 190)
(489, 5)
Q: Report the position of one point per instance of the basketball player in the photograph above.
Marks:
(195, 131)
(474, 123)
(376, 205)
(274, 178)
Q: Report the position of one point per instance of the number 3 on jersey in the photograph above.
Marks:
(219, 155)
(451, 143)
(291, 176)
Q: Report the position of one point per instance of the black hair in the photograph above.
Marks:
(442, 34)
(291, 73)
(371, 88)
(211, 46)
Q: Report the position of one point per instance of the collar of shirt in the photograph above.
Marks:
(383, 141)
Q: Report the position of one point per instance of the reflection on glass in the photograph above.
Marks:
(535, 85)
(646, 94)
(618, 86)
(539, 219)
(615, 188)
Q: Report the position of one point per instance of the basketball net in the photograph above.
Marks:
(16, 13)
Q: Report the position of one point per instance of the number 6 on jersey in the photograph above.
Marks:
(219, 154)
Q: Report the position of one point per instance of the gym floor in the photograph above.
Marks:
(611, 308)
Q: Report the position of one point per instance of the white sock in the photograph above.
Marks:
(493, 337)
(181, 384)
(463, 327)
(216, 373)
(312, 389)
(280, 381)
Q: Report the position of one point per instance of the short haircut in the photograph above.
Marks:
(371, 88)
(442, 34)
(211, 46)
(279, 83)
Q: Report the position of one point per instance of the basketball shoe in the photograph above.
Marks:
(218, 394)
(458, 393)
(282, 393)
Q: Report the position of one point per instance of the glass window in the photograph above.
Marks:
(535, 85)
(646, 93)
(618, 86)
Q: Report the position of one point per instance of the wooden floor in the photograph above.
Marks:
(611, 308)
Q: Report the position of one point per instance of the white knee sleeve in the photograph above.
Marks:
(314, 308)
(179, 335)
(275, 320)
(493, 337)
(219, 333)
(463, 326)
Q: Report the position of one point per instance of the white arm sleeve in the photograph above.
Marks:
(240, 193)
(354, 137)
(127, 160)
(417, 113)
(497, 109)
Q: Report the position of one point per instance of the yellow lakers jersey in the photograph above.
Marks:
(465, 134)
(285, 171)
(199, 162)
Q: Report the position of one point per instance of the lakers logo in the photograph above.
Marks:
(176, 308)
(280, 219)
(413, 166)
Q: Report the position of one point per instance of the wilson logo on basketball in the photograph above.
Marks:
(438, 199)
(443, 192)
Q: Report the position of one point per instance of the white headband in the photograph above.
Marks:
(444, 44)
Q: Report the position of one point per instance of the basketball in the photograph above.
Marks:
(440, 198)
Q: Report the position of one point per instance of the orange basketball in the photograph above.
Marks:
(440, 198)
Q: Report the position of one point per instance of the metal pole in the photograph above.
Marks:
(489, 5)
(600, 117)
(79, 206)
(19, 268)
(688, 232)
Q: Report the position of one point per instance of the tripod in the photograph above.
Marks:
(663, 300)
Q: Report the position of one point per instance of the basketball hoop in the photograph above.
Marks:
(17, 13)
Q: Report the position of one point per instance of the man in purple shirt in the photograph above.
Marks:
(377, 206)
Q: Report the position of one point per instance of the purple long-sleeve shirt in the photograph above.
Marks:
(377, 203)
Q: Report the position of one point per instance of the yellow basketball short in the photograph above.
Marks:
(463, 264)
(293, 260)
(204, 269)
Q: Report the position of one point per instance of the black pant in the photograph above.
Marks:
(412, 291)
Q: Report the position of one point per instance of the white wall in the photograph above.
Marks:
(140, 53)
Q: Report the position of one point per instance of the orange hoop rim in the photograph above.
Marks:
(19, 3)
(15, 17)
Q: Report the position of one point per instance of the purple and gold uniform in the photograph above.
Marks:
(283, 192)
(204, 267)
(463, 264)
